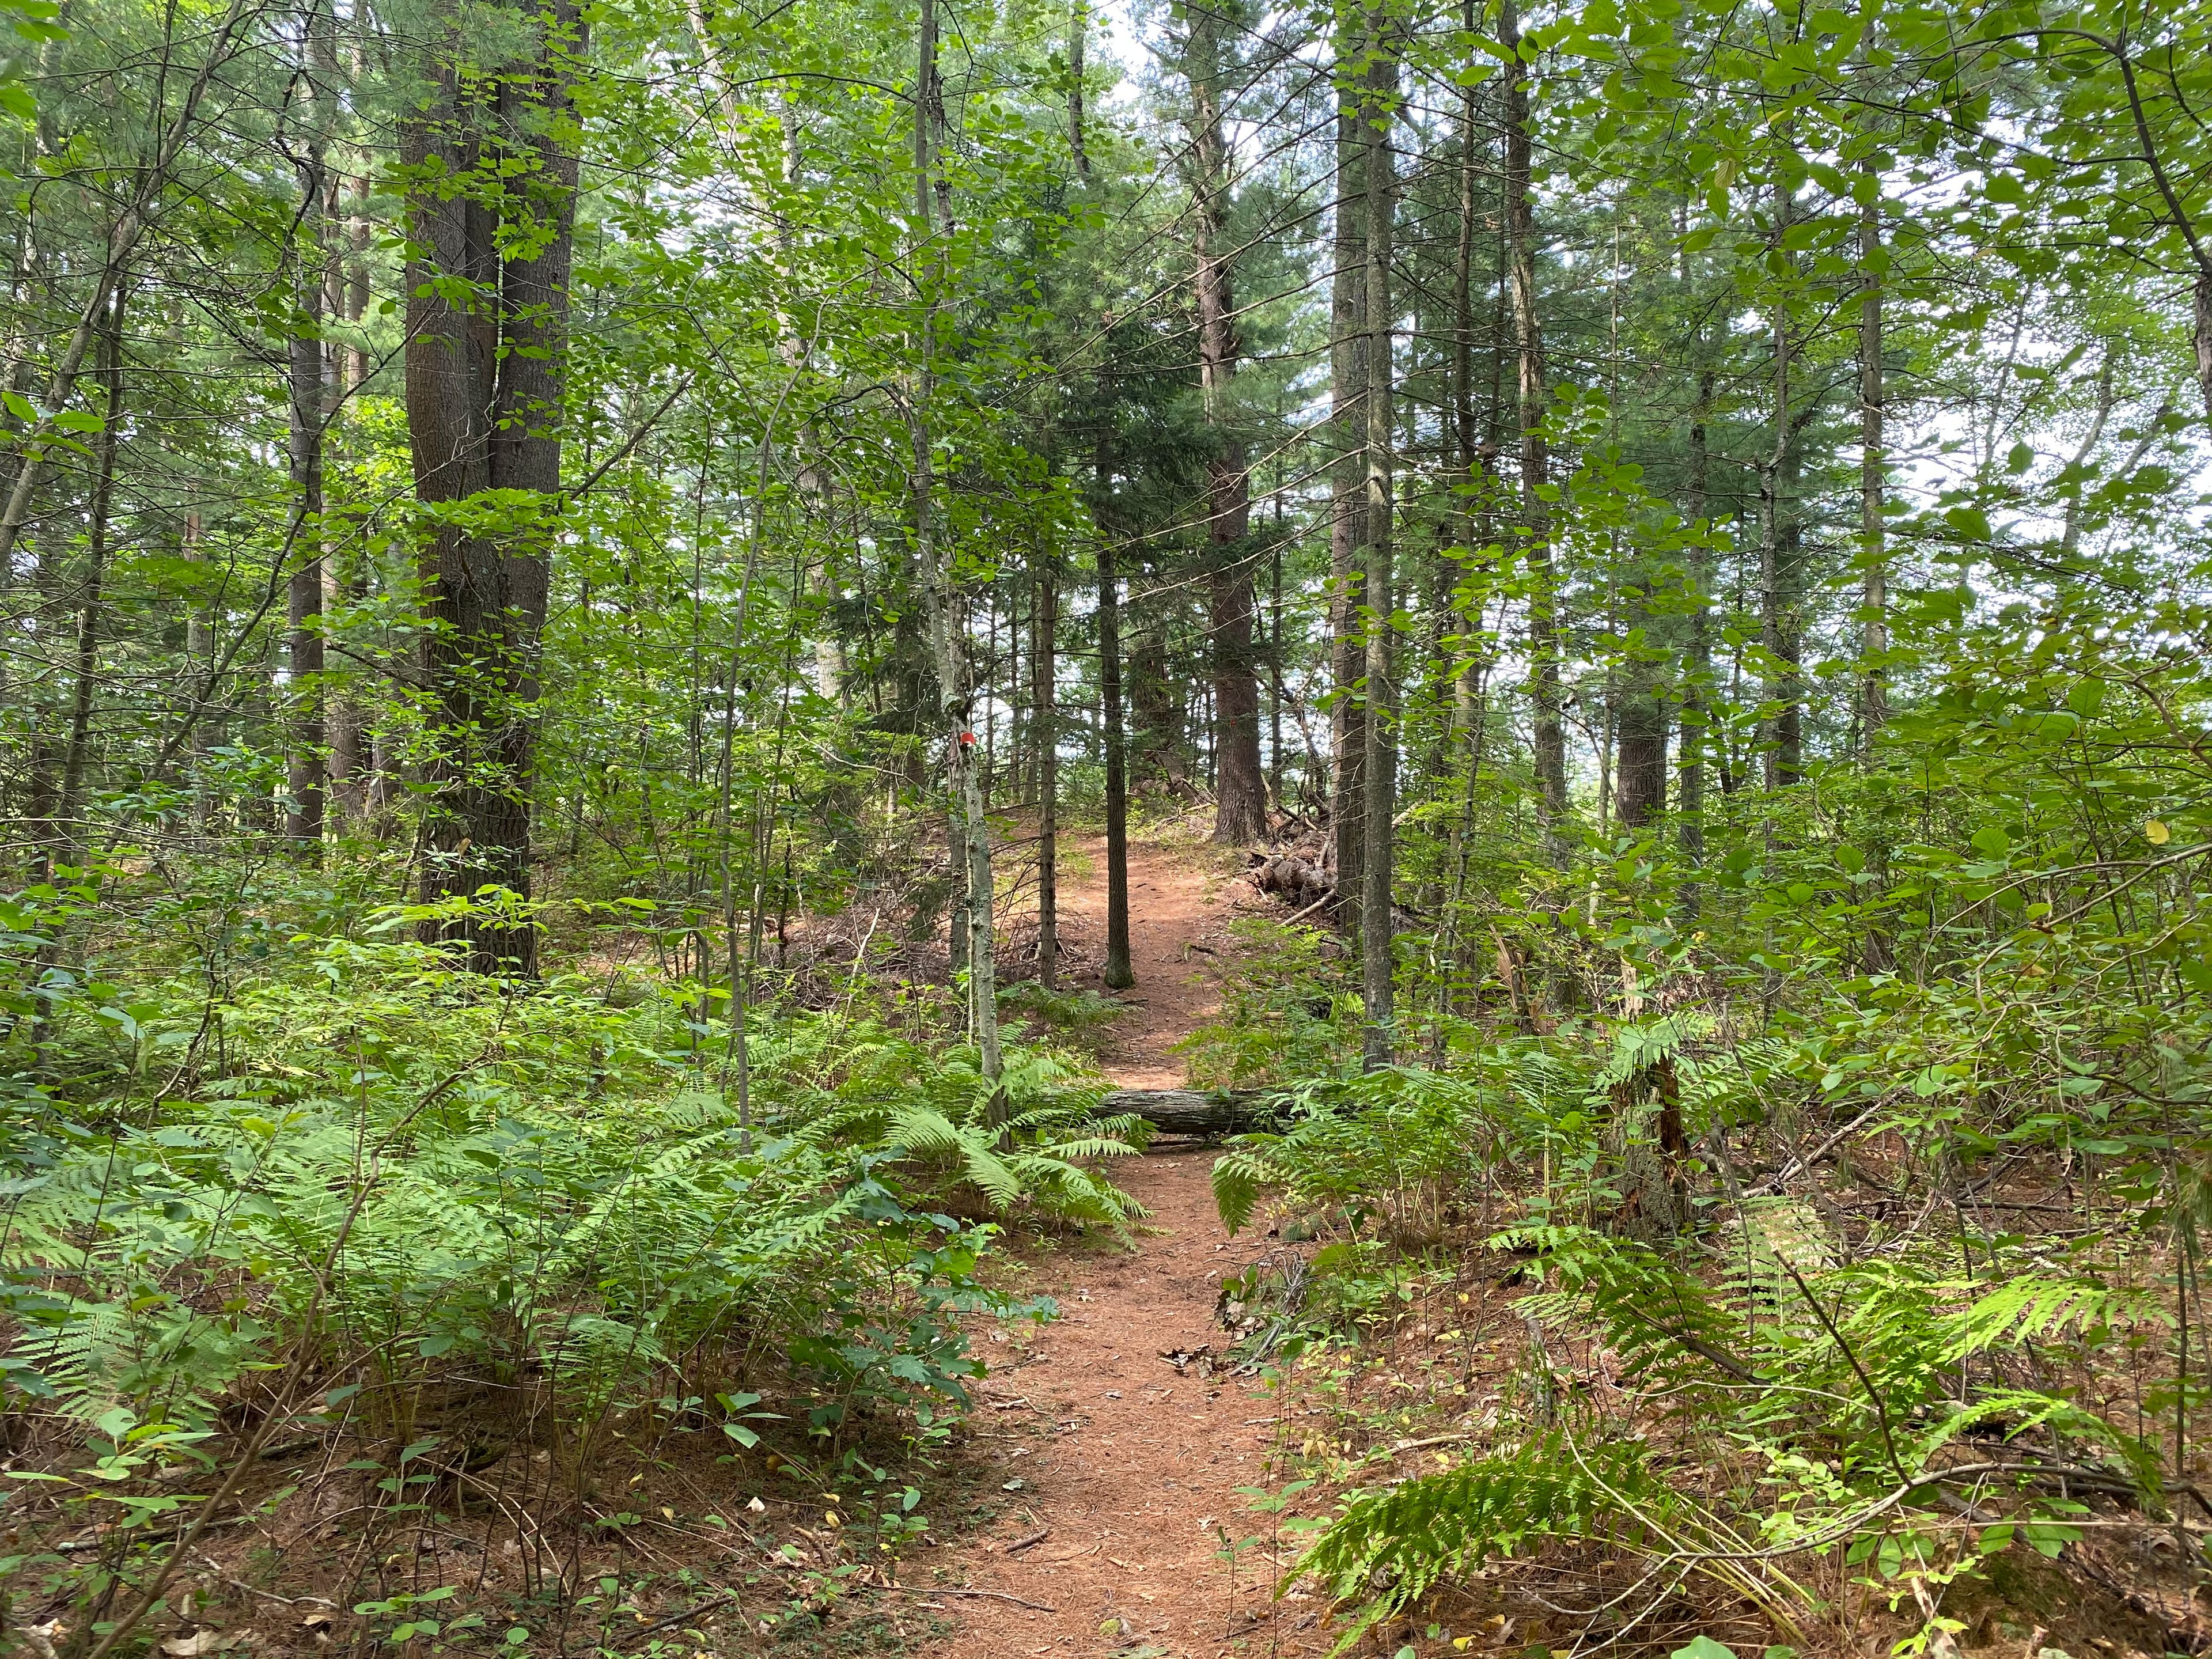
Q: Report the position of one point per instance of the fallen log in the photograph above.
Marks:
(1201, 1111)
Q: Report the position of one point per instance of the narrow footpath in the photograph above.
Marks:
(1123, 1516)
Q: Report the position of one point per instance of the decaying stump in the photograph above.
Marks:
(1294, 876)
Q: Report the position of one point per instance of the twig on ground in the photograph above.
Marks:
(973, 1595)
(255, 1589)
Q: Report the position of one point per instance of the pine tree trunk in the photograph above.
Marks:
(1044, 730)
(1240, 782)
(1118, 975)
(305, 776)
(1347, 381)
(1379, 804)
(1874, 591)
(1697, 694)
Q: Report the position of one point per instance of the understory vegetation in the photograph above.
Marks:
(593, 594)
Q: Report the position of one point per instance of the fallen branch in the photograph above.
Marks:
(973, 1595)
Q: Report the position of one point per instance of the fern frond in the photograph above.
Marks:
(1239, 1176)
(1409, 1538)
(2025, 1310)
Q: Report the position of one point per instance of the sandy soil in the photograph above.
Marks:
(1128, 1469)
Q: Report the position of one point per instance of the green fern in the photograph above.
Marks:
(1239, 1177)
(1390, 1548)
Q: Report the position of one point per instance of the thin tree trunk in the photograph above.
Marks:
(1777, 547)
(956, 696)
(305, 779)
(1873, 590)
(1118, 975)
(1079, 28)
(1044, 737)
(1347, 379)
(1548, 731)
(68, 841)
(1380, 785)
(199, 655)
(1697, 694)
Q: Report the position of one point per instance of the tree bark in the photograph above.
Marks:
(1044, 728)
(1118, 975)
(1697, 692)
(1240, 781)
(487, 285)
(1873, 577)
(1201, 1111)
(1348, 381)
(68, 841)
(1079, 28)
(305, 776)
(1548, 731)
(1380, 785)
(955, 694)
(1779, 538)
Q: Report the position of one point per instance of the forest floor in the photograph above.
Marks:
(1122, 1471)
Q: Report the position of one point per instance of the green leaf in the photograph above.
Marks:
(1703, 1647)
(1970, 523)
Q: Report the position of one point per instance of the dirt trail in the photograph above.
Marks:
(1128, 1468)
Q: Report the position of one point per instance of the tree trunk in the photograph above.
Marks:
(1240, 783)
(1548, 731)
(1078, 26)
(1347, 379)
(306, 778)
(1874, 575)
(484, 384)
(1201, 1111)
(955, 694)
(1044, 729)
(1380, 785)
(1696, 693)
(1118, 975)
(68, 841)
(1779, 535)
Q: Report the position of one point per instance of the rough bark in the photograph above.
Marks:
(1240, 782)
(488, 286)
(306, 778)
(1641, 762)
(1379, 784)
(1347, 381)
(1201, 1112)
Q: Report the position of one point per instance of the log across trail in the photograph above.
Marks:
(1117, 1445)
(1201, 1111)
